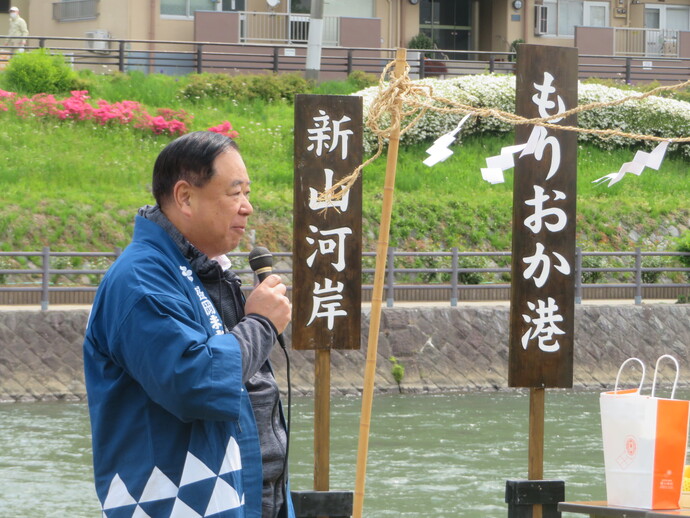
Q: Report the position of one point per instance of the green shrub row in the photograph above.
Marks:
(243, 88)
(41, 71)
(267, 87)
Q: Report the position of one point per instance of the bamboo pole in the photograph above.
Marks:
(377, 295)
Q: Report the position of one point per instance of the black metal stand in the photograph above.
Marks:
(313, 504)
(522, 495)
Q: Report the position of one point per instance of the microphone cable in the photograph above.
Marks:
(261, 262)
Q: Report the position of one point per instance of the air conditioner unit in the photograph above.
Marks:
(96, 40)
(541, 19)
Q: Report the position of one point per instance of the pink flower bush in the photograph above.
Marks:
(77, 107)
(225, 128)
(9, 96)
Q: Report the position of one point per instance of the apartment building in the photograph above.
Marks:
(485, 25)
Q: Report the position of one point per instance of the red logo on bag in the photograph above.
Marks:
(626, 458)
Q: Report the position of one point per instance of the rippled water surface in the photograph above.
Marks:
(443, 456)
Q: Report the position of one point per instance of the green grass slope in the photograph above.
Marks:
(75, 186)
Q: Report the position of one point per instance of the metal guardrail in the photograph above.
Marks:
(44, 286)
(183, 57)
(451, 277)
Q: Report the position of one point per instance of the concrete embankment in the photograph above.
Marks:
(441, 348)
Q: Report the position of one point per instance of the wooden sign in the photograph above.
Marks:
(327, 246)
(544, 195)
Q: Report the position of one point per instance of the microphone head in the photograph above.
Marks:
(261, 261)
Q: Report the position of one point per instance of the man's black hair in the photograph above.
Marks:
(190, 158)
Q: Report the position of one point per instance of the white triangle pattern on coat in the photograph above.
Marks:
(160, 487)
(139, 513)
(194, 471)
(233, 459)
(118, 496)
(182, 510)
(224, 497)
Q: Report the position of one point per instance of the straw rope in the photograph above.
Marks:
(417, 99)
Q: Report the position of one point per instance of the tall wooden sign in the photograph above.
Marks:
(544, 195)
(327, 246)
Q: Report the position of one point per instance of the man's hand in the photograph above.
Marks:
(268, 299)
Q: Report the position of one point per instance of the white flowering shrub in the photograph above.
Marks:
(650, 116)
(486, 91)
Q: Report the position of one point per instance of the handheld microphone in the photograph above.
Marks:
(261, 262)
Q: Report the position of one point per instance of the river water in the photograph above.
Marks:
(441, 456)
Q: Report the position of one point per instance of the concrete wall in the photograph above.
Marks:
(441, 348)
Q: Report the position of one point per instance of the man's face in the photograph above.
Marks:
(220, 209)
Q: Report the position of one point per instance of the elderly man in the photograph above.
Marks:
(18, 30)
(185, 412)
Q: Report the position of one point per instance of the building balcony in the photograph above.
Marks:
(647, 43)
(285, 28)
(75, 10)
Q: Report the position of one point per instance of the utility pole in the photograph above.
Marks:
(315, 40)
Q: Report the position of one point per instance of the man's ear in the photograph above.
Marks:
(181, 197)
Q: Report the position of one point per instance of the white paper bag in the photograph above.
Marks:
(645, 440)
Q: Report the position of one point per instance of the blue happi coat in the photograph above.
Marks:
(172, 425)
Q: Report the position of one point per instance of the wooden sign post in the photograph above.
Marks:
(327, 247)
(543, 258)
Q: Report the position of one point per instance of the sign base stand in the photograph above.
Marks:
(333, 504)
(523, 495)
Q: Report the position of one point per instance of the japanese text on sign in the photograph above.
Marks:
(544, 202)
(327, 238)
(541, 264)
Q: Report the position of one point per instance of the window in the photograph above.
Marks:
(541, 19)
(675, 17)
(233, 5)
(352, 8)
(300, 6)
(75, 10)
(446, 22)
(596, 14)
(4, 6)
(563, 16)
(662, 24)
(186, 8)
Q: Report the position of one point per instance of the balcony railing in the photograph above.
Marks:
(284, 28)
(75, 10)
(645, 42)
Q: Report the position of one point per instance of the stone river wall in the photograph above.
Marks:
(441, 348)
